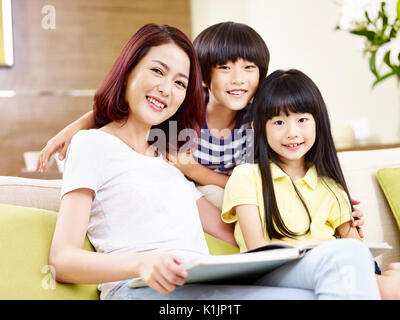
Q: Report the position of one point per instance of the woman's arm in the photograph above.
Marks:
(212, 223)
(73, 264)
(251, 226)
(61, 140)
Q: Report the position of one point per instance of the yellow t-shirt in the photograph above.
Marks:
(328, 207)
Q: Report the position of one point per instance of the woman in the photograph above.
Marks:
(140, 213)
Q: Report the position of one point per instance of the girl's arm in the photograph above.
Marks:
(346, 230)
(251, 226)
(61, 140)
(212, 223)
(73, 264)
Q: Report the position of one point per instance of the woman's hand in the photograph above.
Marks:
(358, 219)
(60, 143)
(162, 272)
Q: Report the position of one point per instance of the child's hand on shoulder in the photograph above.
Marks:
(183, 160)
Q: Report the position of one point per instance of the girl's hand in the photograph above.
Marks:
(358, 219)
(60, 143)
(162, 272)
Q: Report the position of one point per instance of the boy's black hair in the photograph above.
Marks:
(229, 41)
(292, 91)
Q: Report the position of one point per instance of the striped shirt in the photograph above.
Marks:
(223, 155)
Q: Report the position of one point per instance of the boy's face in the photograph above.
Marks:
(233, 84)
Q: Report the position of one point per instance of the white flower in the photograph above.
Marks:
(391, 10)
(394, 47)
(353, 13)
(378, 30)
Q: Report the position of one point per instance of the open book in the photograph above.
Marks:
(251, 263)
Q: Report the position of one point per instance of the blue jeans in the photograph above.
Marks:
(337, 269)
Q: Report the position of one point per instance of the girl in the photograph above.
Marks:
(295, 191)
(140, 213)
(234, 59)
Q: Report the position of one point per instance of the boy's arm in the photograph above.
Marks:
(61, 140)
(185, 162)
(358, 216)
(205, 176)
(251, 226)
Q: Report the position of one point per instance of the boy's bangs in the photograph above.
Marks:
(234, 49)
(234, 41)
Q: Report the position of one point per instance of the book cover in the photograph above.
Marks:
(251, 263)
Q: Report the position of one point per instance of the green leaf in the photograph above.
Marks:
(398, 9)
(384, 22)
(372, 65)
(386, 59)
(365, 33)
(384, 77)
(392, 33)
(368, 19)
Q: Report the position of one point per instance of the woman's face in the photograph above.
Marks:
(157, 85)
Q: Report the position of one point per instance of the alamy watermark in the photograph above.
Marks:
(237, 145)
(49, 18)
(48, 281)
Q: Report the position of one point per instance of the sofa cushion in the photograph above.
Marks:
(219, 247)
(36, 193)
(389, 180)
(25, 239)
(359, 169)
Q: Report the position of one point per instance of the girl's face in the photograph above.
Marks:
(292, 136)
(156, 86)
(233, 84)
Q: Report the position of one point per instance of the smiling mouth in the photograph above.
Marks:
(293, 146)
(156, 103)
(237, 92)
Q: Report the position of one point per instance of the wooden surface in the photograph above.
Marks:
(77, 54)
(370, 147)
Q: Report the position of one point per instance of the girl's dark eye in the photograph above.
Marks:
(156, 70)
(303, 120)
(279, 122)
(251, 66)
(223, 67)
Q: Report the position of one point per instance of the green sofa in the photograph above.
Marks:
(25, 238)
(26, 228)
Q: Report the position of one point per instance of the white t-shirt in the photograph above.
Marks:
(142, 204)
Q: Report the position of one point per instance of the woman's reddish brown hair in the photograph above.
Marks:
(109, 100)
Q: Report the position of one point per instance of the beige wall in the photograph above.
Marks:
(77, 54)
(300, 34)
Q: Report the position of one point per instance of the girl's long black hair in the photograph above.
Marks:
(291, 91)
